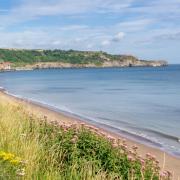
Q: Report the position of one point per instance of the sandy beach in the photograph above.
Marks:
(167, 161)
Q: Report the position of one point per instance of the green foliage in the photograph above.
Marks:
(22, 57)
(54, 151)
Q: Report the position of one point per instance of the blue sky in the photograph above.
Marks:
(148, 29)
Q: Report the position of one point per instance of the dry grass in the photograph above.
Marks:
(51, 152)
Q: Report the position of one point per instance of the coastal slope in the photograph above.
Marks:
(166, 161)
(21, 59)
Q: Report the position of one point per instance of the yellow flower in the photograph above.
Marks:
(2, 154)
(15, 161)
(8, 156)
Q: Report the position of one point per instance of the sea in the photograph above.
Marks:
(140, 103)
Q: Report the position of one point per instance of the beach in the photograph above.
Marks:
(167, 161)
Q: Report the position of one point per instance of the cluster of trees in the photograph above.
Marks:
(74, 57)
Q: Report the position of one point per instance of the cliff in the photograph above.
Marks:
(50, 65)
(41, 59)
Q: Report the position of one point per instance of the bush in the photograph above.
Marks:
(53, 151)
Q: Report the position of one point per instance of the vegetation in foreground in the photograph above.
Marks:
(33, 149)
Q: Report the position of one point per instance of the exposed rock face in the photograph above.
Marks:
(20, 59)
(127, 63)
(45, 59)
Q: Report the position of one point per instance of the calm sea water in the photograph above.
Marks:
(141, 103)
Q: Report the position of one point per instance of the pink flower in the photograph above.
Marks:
(110, 138)
(124, 141)
(124, 146)
(142, 161)
(82, 124)
(96, 129)
(163, 174)
(148, 155)
(130, 158)
(153, 157)
(157, 161)
(74, 139)
(114, 145)
(135, 147)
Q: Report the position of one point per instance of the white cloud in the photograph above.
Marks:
(136, 24)
(29, 10)
(105, 43)
(90, 46)
(73, 27)
(56, 42)
(125, 24)
(113, 39)
(118, 37)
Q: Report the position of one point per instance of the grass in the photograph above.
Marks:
(31, 148)
(23, 57)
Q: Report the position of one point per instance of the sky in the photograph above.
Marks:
(147, 29)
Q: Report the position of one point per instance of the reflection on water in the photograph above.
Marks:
(141, 101)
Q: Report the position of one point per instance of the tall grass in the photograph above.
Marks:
(31, 148)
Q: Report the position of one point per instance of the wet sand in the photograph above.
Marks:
(167, 161)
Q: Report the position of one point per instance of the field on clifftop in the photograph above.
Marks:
(23, 57)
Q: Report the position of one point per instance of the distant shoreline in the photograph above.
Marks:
(73, 67)
(172, 162)
(24, 59)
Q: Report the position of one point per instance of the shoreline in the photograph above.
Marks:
(118, 132)
(80, 67)
(95, 67)
(167, 161)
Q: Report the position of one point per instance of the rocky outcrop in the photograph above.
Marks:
(20, 59)
(127, 63)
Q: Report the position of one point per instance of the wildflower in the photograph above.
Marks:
(74, 139)
(134, 147)
(54, 123)
(130, 158)
(166, 174)
(2, 154)
(23, 161)
(68, 126)
(119, 141)
(109, 137)
(20, 172)
(153, 157)
(139, 157)
(143, 168)
(82, 125)
(8, 156)
(114, 145)
(142, 161)
(148, 155)
(124, 147)
(102, 133)
(124, 141)
(96, 129)
(73, 126)
(163, 174)
(15, 161)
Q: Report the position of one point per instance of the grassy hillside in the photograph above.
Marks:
(73, 57)
(31, 148)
